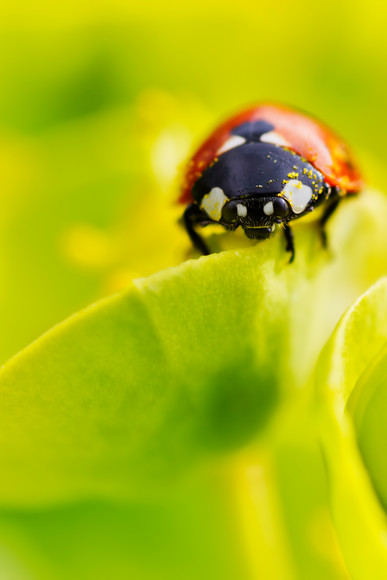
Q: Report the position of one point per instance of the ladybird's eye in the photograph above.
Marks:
(233, 212)
(280, 207)
(230, 213)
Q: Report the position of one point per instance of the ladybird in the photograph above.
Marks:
(266, 166)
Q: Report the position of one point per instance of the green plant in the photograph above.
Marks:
(184, 428)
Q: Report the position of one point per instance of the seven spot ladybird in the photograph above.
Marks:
(266, 166)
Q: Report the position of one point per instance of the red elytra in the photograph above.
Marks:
(306, 136)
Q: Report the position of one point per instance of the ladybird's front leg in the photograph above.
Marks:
(192, 217)
(329, 210)
(289, 237)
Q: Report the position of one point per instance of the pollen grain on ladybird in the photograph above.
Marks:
(285, 181)
(293, 175)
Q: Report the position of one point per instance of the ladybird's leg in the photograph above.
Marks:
(288, 232)
(330, 208)
(194, 216)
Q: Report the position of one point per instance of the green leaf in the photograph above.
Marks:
(134, 389)
(195, 534)
(185, 365)
(357, 514)
(194, 380)
(368, 406)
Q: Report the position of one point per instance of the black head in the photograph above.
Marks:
(257, 185)
(256, 213)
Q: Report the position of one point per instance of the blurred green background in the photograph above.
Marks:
(101, 102)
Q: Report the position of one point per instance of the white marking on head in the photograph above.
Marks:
(213, 203)
(268, 208)
(274, 138)
(297, 194)
(231, 143)
(241, 210)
